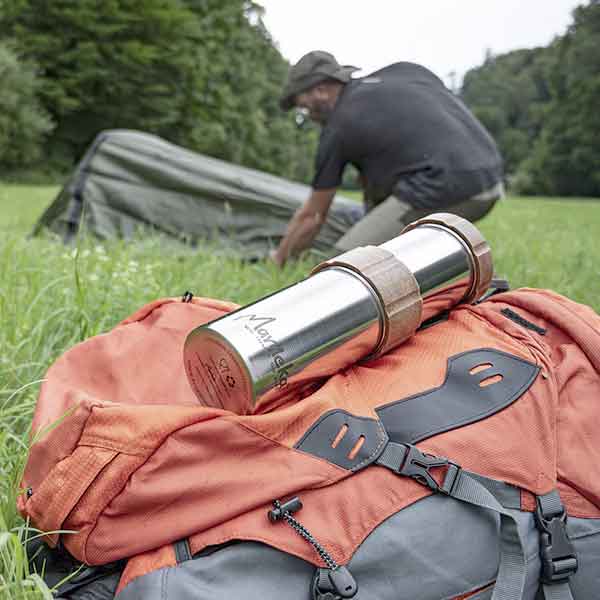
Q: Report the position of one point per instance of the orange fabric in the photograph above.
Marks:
(64, 486)
(138, 448)
(340, 515)
(201, 476)
(576, 502)
(572, 342)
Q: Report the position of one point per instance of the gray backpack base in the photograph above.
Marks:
(435, 549)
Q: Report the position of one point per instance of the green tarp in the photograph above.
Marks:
(129, 181)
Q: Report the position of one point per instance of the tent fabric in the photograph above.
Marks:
(129, 180)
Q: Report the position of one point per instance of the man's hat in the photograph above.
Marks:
(311, 69)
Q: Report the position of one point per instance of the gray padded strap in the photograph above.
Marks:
(558, 591)
(508, 495)
(550, 504)
(510, 580)
(393, 456)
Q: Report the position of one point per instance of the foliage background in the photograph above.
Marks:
(204, 74)
(23, 122)
(207, 75)
(541, 105)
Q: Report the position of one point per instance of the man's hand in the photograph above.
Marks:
(275, 258)
(304, 225)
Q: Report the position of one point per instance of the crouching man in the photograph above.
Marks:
(417, 147)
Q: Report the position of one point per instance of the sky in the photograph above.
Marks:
(447, 36)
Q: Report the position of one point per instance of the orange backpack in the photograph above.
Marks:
(494, 410)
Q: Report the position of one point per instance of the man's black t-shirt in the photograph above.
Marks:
(407, 134)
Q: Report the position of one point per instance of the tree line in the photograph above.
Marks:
(206, 74)
(543, 108)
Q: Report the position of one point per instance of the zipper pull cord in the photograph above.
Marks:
(284, 512)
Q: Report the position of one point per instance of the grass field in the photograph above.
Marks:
(52, 297)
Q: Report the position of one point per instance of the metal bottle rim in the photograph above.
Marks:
(478, 249)
(468, 252)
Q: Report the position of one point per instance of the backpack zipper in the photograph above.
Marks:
(339, 578)
(283, 512)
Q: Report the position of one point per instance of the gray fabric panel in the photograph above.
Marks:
(403, 559)
(585, 535)
(581, 528)
(250, 571)
(436, 548)
(510, 581)
(414, 553)
(135, 180)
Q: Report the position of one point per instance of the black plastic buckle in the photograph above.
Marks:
(418, 465)
(559, 559)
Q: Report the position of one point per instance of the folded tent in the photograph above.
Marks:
(128, 180)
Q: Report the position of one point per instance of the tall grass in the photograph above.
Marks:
(52, 297)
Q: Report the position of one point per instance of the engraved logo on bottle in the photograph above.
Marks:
(258, 327)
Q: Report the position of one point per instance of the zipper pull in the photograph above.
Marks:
(342, 581)
(333, 583)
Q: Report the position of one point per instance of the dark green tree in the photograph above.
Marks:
(566, 158)
(508, 93)
(23, 123)
(116, 63)
(236, 115)
(201, 73)
(541, 105)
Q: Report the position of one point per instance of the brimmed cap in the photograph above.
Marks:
(311, 69)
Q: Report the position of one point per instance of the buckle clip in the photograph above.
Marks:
(559, 559)
(418, 465)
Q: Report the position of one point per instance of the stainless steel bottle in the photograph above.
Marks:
(354, 307)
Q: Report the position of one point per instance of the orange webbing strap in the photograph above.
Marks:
(408, 460)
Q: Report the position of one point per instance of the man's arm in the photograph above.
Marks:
(304, 225)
